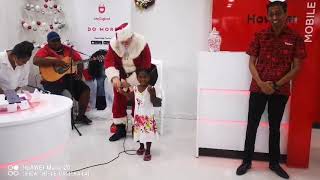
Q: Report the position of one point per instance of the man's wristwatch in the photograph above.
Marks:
(275, 86)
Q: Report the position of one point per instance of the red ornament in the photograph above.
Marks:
(51, 26)
(29, 27)
(55, 6)
(45, 0)
(45, 6)
(38, 23)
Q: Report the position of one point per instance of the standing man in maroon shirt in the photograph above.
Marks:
(275, 57)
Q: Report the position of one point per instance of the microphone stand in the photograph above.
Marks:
(78, 51)
(73, 126)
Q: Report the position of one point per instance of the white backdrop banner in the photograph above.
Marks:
(92, 22)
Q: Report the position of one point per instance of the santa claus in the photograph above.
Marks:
(127, 53)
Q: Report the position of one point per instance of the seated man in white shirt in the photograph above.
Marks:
(15, 66)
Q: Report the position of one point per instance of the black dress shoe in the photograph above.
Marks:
(243, 168)
(83, 120)
(120, 133)
(86, 120)
(279, 171)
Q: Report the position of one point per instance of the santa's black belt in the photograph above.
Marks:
(129, 74)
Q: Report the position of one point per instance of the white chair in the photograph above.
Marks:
(159, 111)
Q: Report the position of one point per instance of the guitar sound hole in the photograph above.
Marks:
(60, 70)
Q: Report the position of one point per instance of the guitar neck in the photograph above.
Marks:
(80, 62)
(100, 58)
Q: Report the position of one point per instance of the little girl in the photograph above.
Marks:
(145, 128)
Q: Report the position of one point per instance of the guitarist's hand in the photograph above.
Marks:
(60, 63)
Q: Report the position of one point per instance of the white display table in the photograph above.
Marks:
(36, 136)
(223, 97)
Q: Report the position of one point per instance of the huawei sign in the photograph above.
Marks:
(102, 8)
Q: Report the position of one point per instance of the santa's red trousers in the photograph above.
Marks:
(119, 108)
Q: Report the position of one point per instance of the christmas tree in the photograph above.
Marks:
(40, 17)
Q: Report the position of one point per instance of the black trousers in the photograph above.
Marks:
(257, 104)
(76, 87)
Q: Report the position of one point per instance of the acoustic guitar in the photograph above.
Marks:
(54, 73)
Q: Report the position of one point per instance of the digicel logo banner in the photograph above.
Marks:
(238, 20)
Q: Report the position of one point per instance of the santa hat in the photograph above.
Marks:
(123, 32)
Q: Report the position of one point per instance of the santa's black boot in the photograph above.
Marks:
(120, 133)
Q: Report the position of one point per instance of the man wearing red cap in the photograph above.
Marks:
(51, 55)
(127, 53)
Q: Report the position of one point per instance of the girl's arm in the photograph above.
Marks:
(154, 99)
(129, 94)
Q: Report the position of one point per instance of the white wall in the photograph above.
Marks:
(175, 29)
(10, 15)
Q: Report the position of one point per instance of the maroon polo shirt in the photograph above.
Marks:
(275, 55)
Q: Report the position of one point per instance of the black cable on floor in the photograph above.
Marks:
(101, 164)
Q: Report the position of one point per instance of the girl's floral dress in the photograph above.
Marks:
(145, 128)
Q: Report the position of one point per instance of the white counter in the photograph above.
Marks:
(35, 136)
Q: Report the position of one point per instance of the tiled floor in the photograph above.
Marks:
(173, 157)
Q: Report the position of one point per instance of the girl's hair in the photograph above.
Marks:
(143, 71)
(152, 72)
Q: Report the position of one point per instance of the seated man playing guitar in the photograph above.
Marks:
(58, 74)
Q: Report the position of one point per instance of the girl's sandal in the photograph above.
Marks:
(147, 157)
(140, 151)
